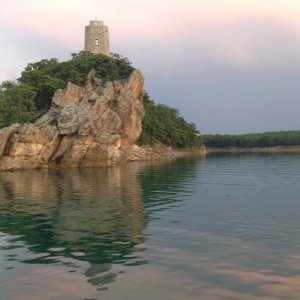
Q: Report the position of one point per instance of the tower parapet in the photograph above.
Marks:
(97, 38)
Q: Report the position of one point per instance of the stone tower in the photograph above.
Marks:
(96, 38)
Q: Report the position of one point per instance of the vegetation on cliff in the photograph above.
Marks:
(30, 96)
(267, 139)
(164, 124)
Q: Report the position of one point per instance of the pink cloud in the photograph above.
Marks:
(223, 31)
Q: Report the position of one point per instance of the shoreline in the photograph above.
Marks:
(146, 154)
(275, 149)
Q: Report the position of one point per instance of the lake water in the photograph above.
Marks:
(226, 227)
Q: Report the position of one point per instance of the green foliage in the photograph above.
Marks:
(164, 124)
(17, 104)
(267, 139)
(27, 98)
(107, 68)
(44, 85)
(31, 94)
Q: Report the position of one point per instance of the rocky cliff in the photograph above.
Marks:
(95, 125)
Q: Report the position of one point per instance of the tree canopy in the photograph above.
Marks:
(30, 96)
(164, 124)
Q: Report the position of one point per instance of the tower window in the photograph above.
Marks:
(97, 42)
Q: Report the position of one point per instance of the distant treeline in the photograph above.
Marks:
(267, 139)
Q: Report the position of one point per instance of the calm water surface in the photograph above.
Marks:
(227, 227)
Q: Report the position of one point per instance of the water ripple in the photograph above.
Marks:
(223, 228)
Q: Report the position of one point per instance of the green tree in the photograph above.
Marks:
(32, 93)
(164, 124)
(267, 139)
(17, 104)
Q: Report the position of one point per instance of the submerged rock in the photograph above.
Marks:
(96, 125)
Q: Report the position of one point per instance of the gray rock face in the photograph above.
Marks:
(91, 126)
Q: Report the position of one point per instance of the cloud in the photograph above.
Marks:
(207, 53)
(237, 33)
(3, 76)
(255, 41)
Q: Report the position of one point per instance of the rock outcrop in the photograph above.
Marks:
(95, 125)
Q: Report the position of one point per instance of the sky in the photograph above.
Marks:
(229, 66)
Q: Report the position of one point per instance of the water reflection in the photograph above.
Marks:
(85, 221)
(91, 215)
(223, 228)
(236, 235)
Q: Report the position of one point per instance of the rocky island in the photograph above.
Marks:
(90, 111)
(94, 125)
